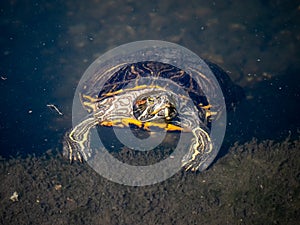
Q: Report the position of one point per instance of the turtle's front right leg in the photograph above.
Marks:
(76, 142)
(199, 151)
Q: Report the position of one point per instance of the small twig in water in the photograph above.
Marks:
(51, 106)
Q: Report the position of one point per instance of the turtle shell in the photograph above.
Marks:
(135, 71)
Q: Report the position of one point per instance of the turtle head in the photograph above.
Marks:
(154, 106)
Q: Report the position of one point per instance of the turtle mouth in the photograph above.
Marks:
(158, 107)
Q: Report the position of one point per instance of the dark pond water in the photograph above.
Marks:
(47, 45)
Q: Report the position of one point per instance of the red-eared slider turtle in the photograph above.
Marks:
(151, 95)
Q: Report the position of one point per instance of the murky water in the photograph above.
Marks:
(46, 47)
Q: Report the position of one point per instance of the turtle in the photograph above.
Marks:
(149, 95)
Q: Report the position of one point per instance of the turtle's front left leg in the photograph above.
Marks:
(76, 142)
(199, 150)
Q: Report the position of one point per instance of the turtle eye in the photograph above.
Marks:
(150, 100)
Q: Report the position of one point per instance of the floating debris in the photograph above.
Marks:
(51, 106)
(57, 187)
(14, 197)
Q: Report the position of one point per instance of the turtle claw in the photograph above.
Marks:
(192, 166)
(79, 157)
(74, 155)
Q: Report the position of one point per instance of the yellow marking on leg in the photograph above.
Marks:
(80, 135)
(70, 149)
(196, 151)
(206, 107)
(198, 142)
(209, 113)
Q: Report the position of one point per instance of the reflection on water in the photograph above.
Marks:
(139, 155)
